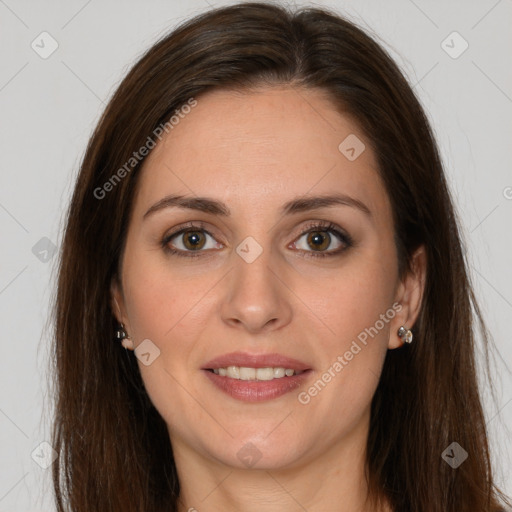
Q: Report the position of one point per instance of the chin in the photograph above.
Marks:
(258, 453)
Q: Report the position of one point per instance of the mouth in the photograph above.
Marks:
(256, 377)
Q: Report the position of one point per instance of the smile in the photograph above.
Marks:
(246, 373)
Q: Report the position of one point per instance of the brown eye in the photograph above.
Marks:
(190, 241)
(318, 240)
(193, 240)
(323, 239)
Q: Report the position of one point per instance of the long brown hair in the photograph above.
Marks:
(114, 448)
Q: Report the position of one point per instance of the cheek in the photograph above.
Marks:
(171, 311)
(350, 300)
(355, 309)
(160, 301)
(352, 353)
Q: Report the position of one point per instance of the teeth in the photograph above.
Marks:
(279, 372)
(264, 373)
(247, 373)
(244, 373)
(233, 372)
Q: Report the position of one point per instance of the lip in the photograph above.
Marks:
(255, 361)
(254, 390)
(257, 390)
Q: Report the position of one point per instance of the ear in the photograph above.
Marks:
(409, 294)
(117, 304)
(117, 301)
(118, 307)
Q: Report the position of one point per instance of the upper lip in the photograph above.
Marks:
(255, 361)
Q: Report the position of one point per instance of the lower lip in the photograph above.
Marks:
(257, 390)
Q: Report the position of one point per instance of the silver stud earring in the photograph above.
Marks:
(126, 341)
(120, 332)
(405, 334)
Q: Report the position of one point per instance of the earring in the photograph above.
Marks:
(126, 341)
(405, 334)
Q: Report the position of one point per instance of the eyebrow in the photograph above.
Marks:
(297, 205)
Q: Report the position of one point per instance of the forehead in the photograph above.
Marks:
(259, 149)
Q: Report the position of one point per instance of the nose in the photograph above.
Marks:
(257, 296)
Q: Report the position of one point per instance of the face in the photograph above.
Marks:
(265, 271)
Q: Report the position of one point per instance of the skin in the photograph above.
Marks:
(256, 151)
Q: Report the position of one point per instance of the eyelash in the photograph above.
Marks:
(321, 226)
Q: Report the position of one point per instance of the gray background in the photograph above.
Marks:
(50, 106)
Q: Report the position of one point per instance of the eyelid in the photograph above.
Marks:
(193, 225)
(322, 225)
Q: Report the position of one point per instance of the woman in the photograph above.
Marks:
(262, 221)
